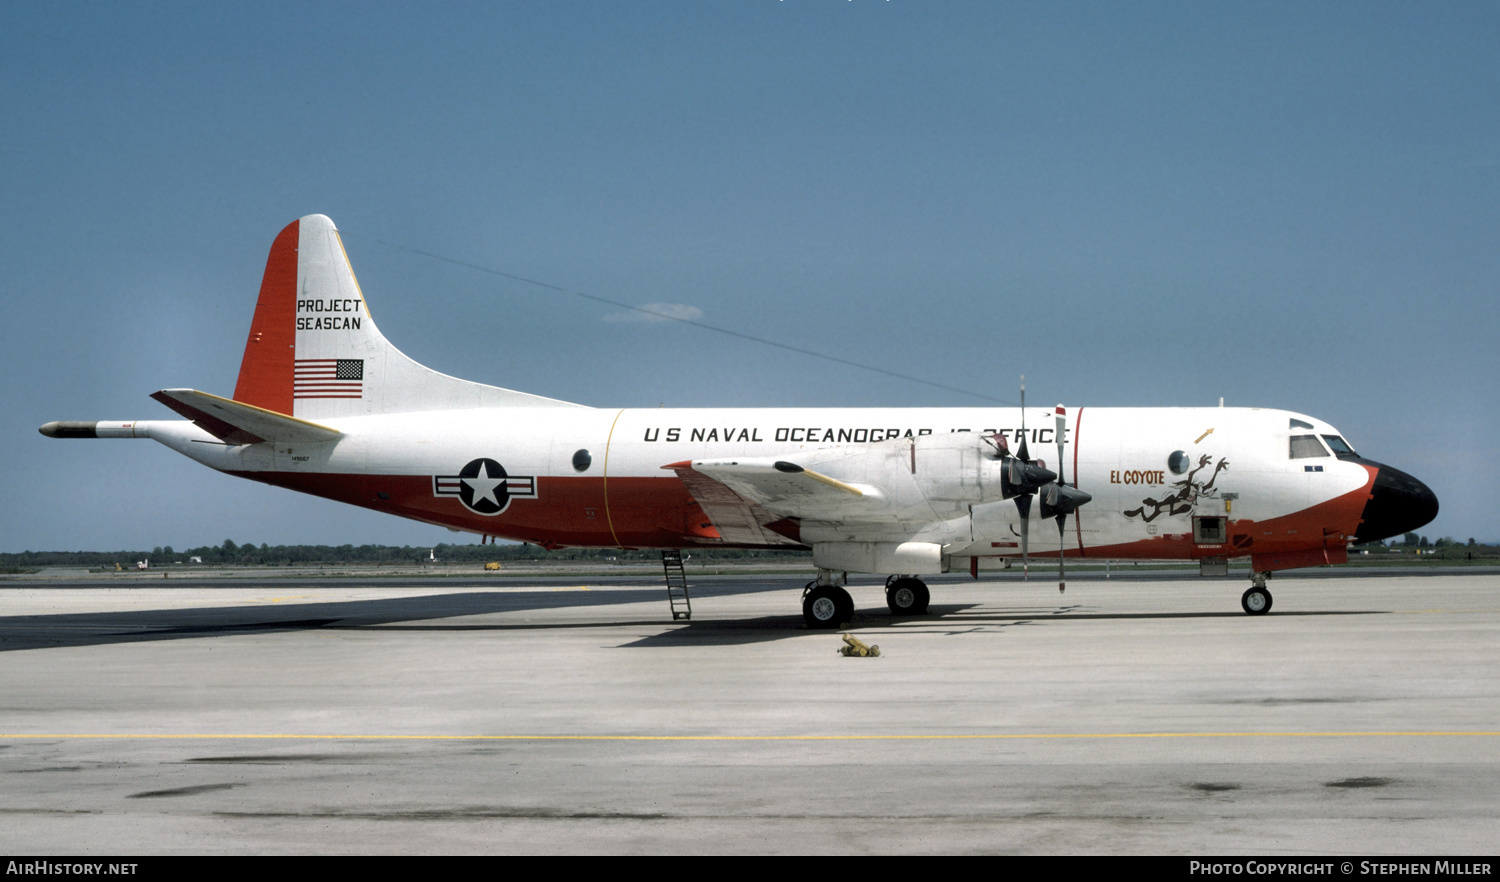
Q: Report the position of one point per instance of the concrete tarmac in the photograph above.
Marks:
(1143, 715)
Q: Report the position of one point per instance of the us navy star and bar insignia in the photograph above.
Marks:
(484, 487)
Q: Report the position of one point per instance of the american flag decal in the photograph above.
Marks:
(328, 378)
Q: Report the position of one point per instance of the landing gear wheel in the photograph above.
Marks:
(907, 596)
(1256, 601)
(827, 607)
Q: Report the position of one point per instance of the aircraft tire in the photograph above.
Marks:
(1256, 601)
(827, 607)
(907, 597)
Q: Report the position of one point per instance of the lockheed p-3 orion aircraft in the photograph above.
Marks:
(325, 405)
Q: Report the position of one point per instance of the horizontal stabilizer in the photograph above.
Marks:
(239, 423)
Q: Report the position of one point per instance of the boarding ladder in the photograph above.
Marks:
(677, 587)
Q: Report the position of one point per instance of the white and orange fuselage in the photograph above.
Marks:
(326, 405)
(1282, 511)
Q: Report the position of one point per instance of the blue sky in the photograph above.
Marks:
(1287, 205)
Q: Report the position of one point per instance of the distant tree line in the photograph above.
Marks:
(1446, 548)
(249, 554)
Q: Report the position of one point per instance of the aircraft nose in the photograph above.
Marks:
(1398, 504)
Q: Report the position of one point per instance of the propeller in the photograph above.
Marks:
(1059, 500)
(1020, 479)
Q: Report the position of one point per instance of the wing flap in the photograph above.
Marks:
(235, 422)
(738, 520)
(751, 498)
(779, 485)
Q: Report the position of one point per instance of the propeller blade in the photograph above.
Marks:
(1062, 423)
(1022, 454)
(1062, 571)
(1059, 498)
(1023, 505)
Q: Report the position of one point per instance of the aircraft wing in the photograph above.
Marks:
(738, 520)
(744, 497)
(235, 422)
(777, 483)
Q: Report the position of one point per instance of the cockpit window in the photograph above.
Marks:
(1339, 446)
(1300, 424)
(1306, 447)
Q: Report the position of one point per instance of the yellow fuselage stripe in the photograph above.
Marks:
(609, 518)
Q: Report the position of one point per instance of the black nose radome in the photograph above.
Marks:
(1398, 504)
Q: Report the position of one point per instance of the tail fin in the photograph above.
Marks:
(315, 353)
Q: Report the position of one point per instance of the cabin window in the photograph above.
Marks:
(1178, 462)
(1307, 447)
(581, 461)
(1339, 446)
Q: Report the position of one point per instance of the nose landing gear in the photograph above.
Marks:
(1257, 598)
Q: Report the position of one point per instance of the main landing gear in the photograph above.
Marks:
(825, 603)
(906, 595)
(1257, 598)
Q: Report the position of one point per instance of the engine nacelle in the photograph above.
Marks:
(914, 558)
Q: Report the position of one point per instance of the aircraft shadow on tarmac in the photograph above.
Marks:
(942, 618)
(401, 613)
(423, 613)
